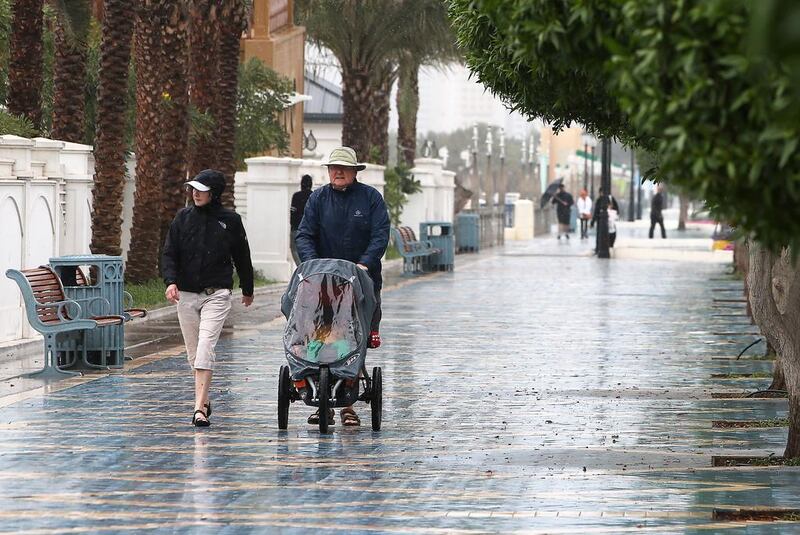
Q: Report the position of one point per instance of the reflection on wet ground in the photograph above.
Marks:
(538, 390)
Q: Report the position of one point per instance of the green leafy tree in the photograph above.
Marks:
(263, 95)
(638, 71)
(15, 125)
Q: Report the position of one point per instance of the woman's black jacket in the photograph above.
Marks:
(202, 246)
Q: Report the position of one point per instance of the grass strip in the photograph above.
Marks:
(150, 294)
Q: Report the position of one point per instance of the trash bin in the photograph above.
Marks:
(441, 236)
(98, 288)
(468, 232)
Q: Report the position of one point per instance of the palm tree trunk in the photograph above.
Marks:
(143, 255)
(69, 80)
(25, 65)
(407, 108)
(175, 128)
(109, 178)
(356, 110)
(378, 125)
(233, 20)
(203, 76)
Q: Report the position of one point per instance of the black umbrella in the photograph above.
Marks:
(549, 192)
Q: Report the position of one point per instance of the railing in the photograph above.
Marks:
(492, 226)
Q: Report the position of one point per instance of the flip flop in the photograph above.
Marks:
(314, 418)
(208, 408)
(200, 423)
(349, 418)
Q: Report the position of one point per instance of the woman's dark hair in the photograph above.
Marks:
(305, 182)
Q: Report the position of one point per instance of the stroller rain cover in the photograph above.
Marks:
(328, 305)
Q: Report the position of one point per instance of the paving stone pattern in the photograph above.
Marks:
(536, 389)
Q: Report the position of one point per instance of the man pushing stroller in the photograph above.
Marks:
(348, 220)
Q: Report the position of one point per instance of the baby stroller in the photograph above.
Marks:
(328, 306)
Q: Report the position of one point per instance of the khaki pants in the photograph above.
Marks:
(201, 317)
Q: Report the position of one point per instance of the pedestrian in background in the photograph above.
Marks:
(584, 206)
(612, 205)
(203, 244)
(563, 202)
(296, 210)
(613, 216)
(656, 215)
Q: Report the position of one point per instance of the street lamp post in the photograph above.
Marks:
(475, 172)
(489, 176)
(522, 164)
(592, 142)
(533, 166)
(632, 202)
(588, 140)
(501, 189)
(639, 200)
(603, 249)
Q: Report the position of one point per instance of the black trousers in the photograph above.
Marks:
(584, 228)
(375, 324)
(657, 219)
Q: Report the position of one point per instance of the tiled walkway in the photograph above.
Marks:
(534, 390)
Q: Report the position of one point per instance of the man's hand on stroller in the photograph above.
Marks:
(362, 266)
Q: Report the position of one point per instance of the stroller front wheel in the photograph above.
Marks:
(284, 385)
(324, 399)
(376, 398)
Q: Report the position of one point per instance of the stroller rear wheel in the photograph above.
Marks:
(376, 398)
(324, 399)
(284, 384)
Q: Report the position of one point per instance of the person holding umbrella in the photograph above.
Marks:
(563, 202)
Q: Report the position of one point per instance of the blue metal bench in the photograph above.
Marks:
(51, 313)
(411, 249)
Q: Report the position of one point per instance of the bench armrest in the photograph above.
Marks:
(127, 299)
(61, 309)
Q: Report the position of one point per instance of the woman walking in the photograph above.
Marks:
(203, 244)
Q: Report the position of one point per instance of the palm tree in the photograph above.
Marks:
(143, 254)
(371, 39)
(364, 36)
(203, 76)
(25, 65)
(175, 130)
(69, 73)
(232, 22)
(435, 45)
(109, 179)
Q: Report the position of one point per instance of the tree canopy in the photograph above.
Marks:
(677, 78)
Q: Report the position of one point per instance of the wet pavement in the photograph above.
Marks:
(536, 389)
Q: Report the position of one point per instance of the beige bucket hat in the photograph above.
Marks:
(346, 157)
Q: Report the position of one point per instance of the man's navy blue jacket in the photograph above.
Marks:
(351, 225)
